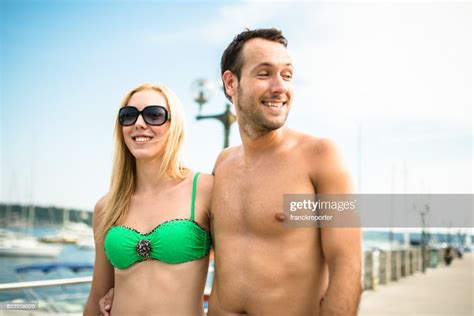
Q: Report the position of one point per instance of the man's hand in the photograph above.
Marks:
(105, 303)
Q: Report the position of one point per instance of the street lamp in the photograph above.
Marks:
(202, 90)
(424, 239)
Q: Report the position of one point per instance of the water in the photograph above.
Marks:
(68, 254)
(381, 239)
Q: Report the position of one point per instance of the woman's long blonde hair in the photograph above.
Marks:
(122, 184)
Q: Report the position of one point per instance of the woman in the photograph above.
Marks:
(151, 229)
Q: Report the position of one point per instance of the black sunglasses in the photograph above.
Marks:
(155, 115)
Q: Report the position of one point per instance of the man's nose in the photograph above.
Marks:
(279, 85)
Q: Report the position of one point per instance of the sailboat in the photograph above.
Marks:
(21, 245)
(72, 233)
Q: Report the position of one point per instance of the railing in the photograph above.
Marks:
(379, 267)
(382, 267)
(43, 283)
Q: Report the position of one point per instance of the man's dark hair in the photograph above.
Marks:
(232, 58)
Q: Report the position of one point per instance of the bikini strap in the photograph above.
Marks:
(193, 199)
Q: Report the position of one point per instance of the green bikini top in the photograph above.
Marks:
(174, 241)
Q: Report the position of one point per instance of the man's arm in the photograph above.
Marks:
(341, 245)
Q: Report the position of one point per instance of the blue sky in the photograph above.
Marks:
(401, 74)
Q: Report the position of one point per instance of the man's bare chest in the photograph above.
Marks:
(254, 199)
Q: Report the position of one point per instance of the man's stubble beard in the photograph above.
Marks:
(252, 121)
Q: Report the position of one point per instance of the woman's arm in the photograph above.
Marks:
(103, 276)
(204, 195)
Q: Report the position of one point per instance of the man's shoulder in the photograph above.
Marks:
(229, 152)
(226, 155)
(312, 145)
(327, 168)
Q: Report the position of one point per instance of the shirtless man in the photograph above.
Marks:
(262, 266)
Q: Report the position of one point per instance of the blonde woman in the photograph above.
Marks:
(152, 228)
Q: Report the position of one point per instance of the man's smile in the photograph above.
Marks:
(274, 104)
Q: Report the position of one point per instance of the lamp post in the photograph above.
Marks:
(202, 90)
(424, 239)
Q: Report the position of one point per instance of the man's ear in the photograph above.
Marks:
(230, 82)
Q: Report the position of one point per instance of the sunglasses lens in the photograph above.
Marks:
(155, 115)
(128, 116)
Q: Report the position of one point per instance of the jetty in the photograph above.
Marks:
(441, 290)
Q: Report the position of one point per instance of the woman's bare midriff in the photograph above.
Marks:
(156, 288)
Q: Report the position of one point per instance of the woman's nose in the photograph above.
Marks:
(140, 123)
